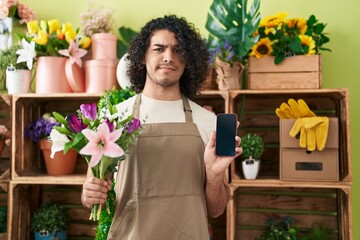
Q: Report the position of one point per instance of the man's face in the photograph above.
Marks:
(163, 62)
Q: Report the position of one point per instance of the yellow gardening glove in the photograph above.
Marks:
(293, 110)
(313, 132)
(321, 133)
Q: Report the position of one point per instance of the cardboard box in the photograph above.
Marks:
(299, 164)
(297, 72)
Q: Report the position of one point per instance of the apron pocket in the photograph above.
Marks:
(124, 223)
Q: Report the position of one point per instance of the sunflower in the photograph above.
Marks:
(262, 48)
(299, 23)
(273, 21)
(308, 41)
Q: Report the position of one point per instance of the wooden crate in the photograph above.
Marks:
(297, 72)
(5, 119)
(259, 117)
(28, 163)
(250, 208)
(21, 211)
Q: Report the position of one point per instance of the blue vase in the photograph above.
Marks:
(46, 235)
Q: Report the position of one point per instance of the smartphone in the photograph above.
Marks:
(225, 134)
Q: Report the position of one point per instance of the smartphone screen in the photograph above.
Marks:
(225, 134)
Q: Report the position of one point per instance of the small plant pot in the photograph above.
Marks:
(18, 80)
(250, 168)
(46, 235)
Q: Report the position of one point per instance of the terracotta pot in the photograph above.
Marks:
(51, 75)
(103, 46)
(61, 164)
(100, 75)
(228, 77)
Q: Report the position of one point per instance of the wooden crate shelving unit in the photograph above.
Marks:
(29, 181)
(29, 184)
(258, 115)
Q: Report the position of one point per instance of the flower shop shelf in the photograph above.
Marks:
(250, 208)
(256, 111)
(24, 199)
(27, 159)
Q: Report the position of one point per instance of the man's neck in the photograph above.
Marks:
(160, 93)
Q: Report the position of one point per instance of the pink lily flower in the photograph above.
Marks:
(101, 143)
(74, 53)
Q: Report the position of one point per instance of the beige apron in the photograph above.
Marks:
(160, 186)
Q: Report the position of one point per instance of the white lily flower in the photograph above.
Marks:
(58, 141)
(27, 54)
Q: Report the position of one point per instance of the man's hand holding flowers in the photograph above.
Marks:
(101, 136)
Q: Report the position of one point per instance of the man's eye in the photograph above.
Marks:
(158, 49)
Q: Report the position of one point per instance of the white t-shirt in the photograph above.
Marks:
(158, 111)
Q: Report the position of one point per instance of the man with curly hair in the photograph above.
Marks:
(172, 179)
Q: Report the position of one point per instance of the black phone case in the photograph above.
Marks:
(225, 134)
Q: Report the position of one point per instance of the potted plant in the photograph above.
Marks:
(96, 23)
(18, 76)
(253, 147)
(232, 26)
(227, 66)
(59, 163)
(50, 221)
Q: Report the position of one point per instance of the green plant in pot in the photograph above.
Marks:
(50, 221)
(17, 75)
(232, 25)
(253, 147)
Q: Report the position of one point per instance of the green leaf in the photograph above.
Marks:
(59, 118)
(126, 36)
(279, 58)
(62, 130)
(228, 20)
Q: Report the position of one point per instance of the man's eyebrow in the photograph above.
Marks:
(159, 45)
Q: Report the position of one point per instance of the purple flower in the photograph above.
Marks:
(40, 129)
(133, 125)
(89, 111)
(74, 123)
(110, 125)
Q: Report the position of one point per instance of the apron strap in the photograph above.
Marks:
(187, 108)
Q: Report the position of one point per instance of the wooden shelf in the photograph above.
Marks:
(52, 180)
(286, 184)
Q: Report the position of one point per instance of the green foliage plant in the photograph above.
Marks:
(231, 21)
(8, 57)
(123, 43)
(51, 217)
(280, 230)
(253, 146)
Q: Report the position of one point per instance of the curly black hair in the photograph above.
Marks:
(193, 51)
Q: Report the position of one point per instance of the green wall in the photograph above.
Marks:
(340, 67)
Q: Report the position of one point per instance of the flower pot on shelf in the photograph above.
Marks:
(100, 75)
(51, 75)
(228, 77)
(61, 164)
(296, 72)
(46, 235)
(18, 80)
(250, 168)
(104, 46)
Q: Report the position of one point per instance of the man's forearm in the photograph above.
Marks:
(217, 195)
